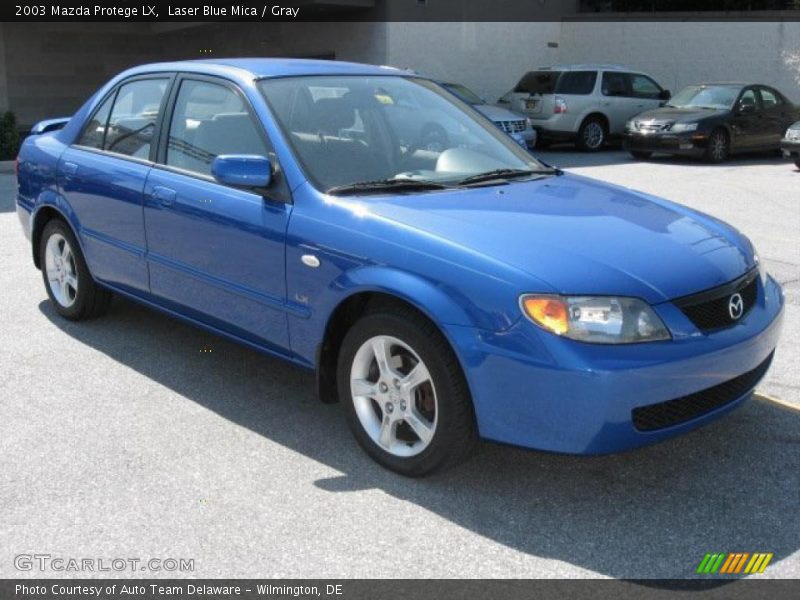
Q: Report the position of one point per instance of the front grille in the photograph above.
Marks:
(512, 126)
(710, 310)
(647, 126)
(686, 408)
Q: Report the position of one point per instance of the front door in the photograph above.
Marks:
(747, 123)
(215, 252)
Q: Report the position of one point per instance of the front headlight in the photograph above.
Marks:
(596, 319)
(793, 135)
(683, 127)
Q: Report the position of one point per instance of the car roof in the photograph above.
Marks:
(258, 68)
(586, 66)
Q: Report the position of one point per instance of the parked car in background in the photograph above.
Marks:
(439, 296)
(517, 125)
(790, 144)
(713, 120)
(584, 103)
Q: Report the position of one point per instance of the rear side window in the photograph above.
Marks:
(644, 87)
(133, 118)
(615, 84)
(538, 82)
(210, 119)
(576, 82)
(770, 98)
(94, 133)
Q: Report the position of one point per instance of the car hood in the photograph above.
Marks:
(498, 113)
(581, 236)
(668, 114)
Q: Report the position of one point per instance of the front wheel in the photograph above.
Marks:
(69, 284)
(718, 146)
(797, 163)
(404, 394)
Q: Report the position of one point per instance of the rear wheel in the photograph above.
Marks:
(404, 394)
(797, 163)
(69, 284)
(640, 154)
(592, 134)
(718, 147)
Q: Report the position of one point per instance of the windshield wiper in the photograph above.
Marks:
(386, 185)
(505, 174)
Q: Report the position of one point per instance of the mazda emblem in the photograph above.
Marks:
(736, 306)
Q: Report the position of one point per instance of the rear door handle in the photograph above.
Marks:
(163, 195)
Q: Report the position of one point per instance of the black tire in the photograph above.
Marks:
(87, 301)
(640, 154)
(718, 146)
(454, 435)
(592, 134)
(434, 138)
(797, 164)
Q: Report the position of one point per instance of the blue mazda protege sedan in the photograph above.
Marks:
(441, 295)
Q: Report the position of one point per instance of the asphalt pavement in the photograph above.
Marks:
(137, 436)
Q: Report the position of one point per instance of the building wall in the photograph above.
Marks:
(678, 54)
(487, 57)
(490, 57)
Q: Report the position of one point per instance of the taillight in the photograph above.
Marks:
(560, 105)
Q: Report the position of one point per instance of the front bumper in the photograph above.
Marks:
(791, 148)
(687, 144)
(537, 390)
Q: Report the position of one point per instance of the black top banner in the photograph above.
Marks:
(398, 10)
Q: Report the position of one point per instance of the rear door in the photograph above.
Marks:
(777, 116)
(748, 126)
(617, 102)
(217, 253)
(102, 176)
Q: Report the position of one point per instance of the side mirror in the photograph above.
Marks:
(242, 170)
(665, 95)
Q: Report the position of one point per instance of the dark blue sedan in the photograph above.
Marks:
(441, 295)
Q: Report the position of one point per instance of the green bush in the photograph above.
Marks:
(9, 136)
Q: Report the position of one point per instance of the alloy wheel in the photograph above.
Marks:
(61, 272)
(593, 135)
(394, 396)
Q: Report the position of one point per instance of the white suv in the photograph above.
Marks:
(585, 103)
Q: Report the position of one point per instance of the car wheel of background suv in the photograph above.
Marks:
(404, 394)
(592, 134)
(69, 284)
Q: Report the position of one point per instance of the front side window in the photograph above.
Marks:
(644, 87)
(132, 122)
(577, 82)
(210, 119)
(368, 129)
(748, 100)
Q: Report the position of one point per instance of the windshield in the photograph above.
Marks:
(354, 129)
(466, 94)
(705, 96)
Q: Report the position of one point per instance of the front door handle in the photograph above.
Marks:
(163, 195)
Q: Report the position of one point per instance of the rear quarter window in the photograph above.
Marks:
(538, 82)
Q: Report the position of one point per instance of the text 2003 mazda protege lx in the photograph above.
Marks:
(441, 296)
